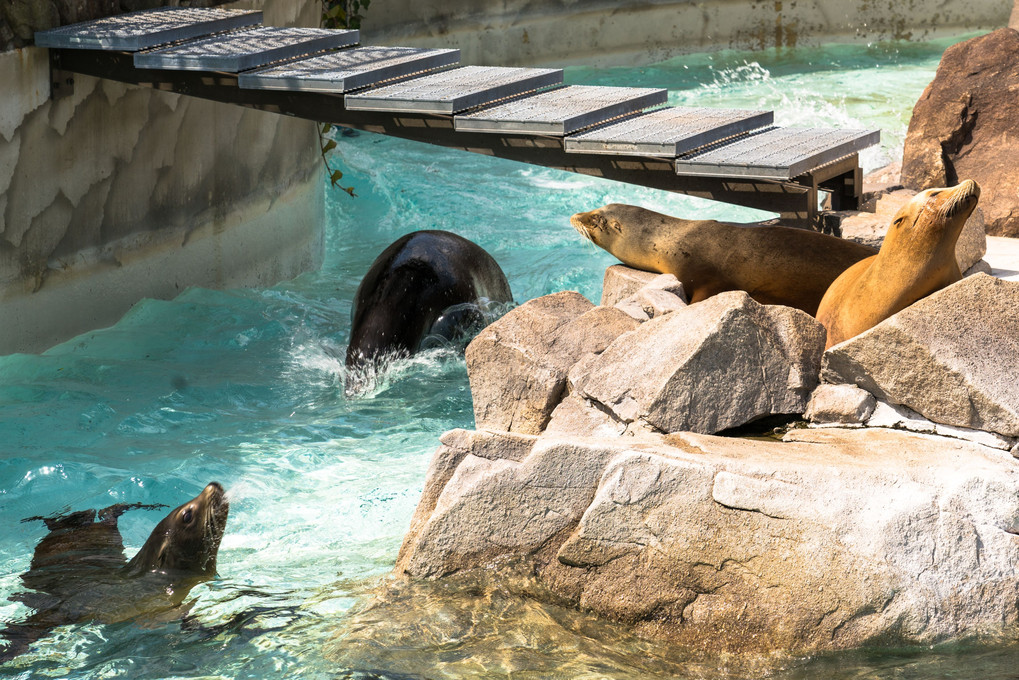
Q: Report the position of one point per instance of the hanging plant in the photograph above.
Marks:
(338, 14)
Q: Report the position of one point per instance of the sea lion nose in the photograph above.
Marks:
(214, 488)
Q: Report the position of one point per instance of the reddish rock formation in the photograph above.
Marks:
(963, 127)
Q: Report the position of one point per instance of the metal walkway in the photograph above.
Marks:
(524, 114)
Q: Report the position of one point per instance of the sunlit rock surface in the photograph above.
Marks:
(621, 282)
(518, 365)
(963, 127)
(842, 404)
(952, 357)
(830, 539)
(720, 363)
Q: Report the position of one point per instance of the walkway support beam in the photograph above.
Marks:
(796, 200)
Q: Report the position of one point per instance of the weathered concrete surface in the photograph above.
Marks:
(953, 356)
(832, 539)
(602, 32)
(116, 192)
(717, 364)
(963, 127)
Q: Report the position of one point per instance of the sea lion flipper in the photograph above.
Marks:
(20, 636)
(110, 515)
(68, 520)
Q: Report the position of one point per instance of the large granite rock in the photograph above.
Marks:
(831, 539)
(717, 364)
(518, 365)
(621, 282)
(953, 356)
(963, 127)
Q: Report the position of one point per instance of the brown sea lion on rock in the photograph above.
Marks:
(79, 573)
(775, 265)
(916, 258)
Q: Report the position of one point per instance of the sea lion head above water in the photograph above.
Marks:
(186, 540)
(916, 259)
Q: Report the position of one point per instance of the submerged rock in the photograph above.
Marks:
(717, 364)
(829, 540)
(963, 127)
(952, 357)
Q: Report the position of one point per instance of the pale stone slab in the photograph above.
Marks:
(830, 539)
(621, 282)
(717, 364)
(844, 404)
(952, 357)
(902, 418)
(518, 366)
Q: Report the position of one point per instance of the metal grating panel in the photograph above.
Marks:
(667, 132)
(348, 69)
(455, 90)
(779, 153)
(243, 50)
(145, 29)
(560, 111)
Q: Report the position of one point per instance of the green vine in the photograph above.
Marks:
(338, 14)
(325, 146)
(343, 13)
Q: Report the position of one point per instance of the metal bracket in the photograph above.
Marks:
(61, 81)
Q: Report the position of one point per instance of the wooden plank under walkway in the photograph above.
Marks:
(524, 114)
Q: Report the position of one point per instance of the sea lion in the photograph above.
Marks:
(79, 572)
(425, 284)
(775, 265)
(916, 258)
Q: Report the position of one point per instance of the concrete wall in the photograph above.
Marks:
(116, 192)
(601, 32)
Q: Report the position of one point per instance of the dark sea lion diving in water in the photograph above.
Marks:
(426, 284)
(775, 265)
(79, 572)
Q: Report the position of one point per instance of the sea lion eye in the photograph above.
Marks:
(187, 516)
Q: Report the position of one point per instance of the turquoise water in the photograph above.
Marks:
(245, 387)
